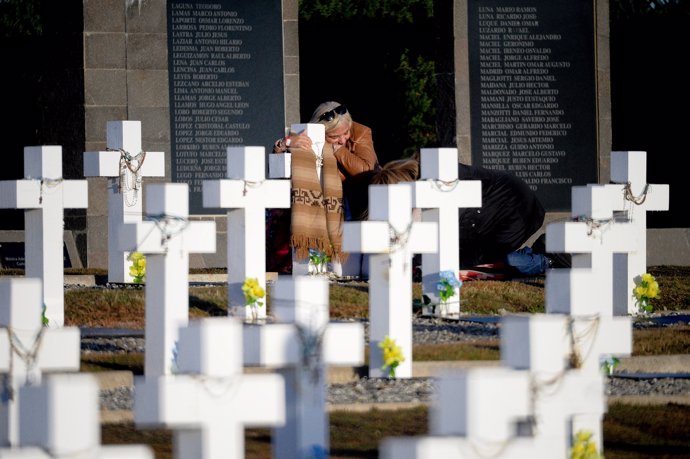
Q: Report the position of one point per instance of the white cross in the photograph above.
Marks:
(209, 401)
(479, 413)
(167, 238)
(563, 355)
(27, 348)
(302, 344)
(392, 238)
(636, 197)
(440, 194)
(247, 194)
(45, 194)
(587, 287)
(59, 418)
(125, 164)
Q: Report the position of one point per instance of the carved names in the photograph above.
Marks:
(533, 94)
(225, 62)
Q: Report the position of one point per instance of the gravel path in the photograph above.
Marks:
(412, 390)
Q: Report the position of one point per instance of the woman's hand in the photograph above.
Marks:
(301, 141)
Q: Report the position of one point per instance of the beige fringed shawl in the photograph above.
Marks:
(317, 214)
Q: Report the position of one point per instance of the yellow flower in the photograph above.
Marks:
(253, 291)
(645, 290)
(583, 447)
(138, 268)
(392, 355)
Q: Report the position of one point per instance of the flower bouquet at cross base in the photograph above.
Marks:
(253, 292)
(445, 289)
(392, 355)
(138, 267)
(584, 446)
(646, 289)
(318, 262)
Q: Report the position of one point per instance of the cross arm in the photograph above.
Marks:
(166, 400)
(147, 237)
(366, 237)
(75, 194)
(429, 194)
(20, 194)
(107, 164)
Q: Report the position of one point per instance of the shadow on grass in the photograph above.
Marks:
(209, 307)
(630, 432)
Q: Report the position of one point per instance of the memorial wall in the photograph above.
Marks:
(533, 93)
(226, 85)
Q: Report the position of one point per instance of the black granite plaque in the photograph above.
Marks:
(225, 62)
(12, 255)
(533, 93)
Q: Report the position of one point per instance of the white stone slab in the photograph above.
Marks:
(44, 194)
(392, 238)
(166, 237)
(440, 195)
(125, 165)
(247, 195)
(30, 348)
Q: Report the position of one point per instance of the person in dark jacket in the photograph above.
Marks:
(493, 234)
(496, 232)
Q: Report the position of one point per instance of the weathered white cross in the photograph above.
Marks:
(125, 164)
(45, 194)
(587, 287)
(440, 194)
(548, 388)
(392, 238)
(562, 353)
(636, 197)
(59, 418)
(478, 413)
(27, 348)
(247, 194)
(302, 344)
(209, 401)
(166, 237)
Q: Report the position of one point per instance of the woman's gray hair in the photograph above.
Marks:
(335, 122)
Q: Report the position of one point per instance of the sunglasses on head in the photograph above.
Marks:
(330, 114)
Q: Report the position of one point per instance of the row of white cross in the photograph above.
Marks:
(193, 381)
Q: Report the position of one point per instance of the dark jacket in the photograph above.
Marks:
(510, 214)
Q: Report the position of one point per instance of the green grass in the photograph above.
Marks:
(125, 308)
(630, 431)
